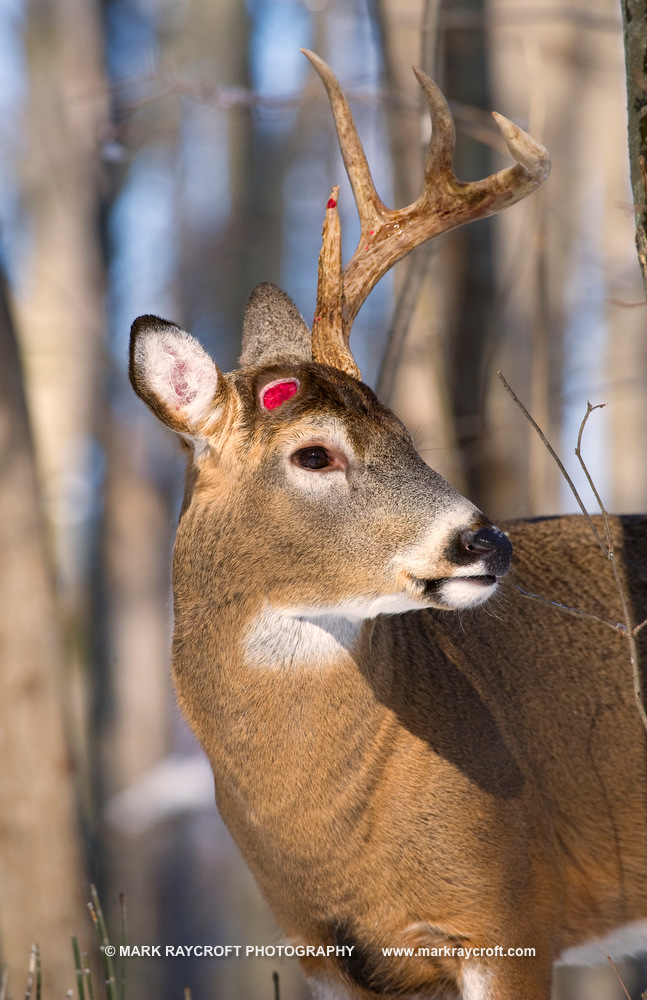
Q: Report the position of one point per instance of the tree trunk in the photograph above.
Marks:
(635, 31)
(41, 872)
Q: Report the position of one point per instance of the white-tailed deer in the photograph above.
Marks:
(396, 777)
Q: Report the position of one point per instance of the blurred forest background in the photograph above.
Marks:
(164, 156)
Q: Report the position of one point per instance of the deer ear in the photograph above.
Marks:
(274, 329)
(173, 374)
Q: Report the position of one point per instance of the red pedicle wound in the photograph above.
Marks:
(331, 203)
(277, 394)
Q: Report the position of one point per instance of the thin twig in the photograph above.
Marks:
(3, 982)
(553, 453)
(615, 969)
(277, 990)
(628, 630)
(576, 612)
(608, 551)
(620, 587)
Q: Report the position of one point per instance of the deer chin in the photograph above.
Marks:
(456, 593)
(460, 592)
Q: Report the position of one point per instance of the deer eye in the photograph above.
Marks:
(312, 458)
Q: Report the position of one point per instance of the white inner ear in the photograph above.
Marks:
(179, 372)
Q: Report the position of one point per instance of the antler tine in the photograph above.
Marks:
(491, 194)
(529, 154)
(386, 234)
(443, 134)
(329, 333)
(367, 200)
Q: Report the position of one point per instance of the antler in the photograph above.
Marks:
(386, 234)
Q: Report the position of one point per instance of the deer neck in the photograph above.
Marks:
(261, 684)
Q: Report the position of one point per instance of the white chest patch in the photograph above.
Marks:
(628, 940)
(476, 982)
(328, 989)
(280, 640)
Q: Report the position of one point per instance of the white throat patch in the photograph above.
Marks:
(279, 639)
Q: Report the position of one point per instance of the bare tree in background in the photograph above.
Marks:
(42, 874)
(59, 321)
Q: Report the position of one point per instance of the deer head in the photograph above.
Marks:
(328, 478)
(326, 488)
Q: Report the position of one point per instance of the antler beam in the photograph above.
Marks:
(387, 234)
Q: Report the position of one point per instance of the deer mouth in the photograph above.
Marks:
(454, 593)
(431, 588)
(484, 580)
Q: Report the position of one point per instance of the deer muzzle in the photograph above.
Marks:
(488, 546)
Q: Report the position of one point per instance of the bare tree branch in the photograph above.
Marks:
(553, 454)
(576, 612)
(622, 593)
(627, 628)
(615, 969)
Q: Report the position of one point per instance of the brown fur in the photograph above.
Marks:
(475, 778)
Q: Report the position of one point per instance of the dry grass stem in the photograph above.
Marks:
(87, 975)
(78, 967)
(102, 936)
(31, 976)
(122, 977)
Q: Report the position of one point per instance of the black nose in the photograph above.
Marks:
(491, 546)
